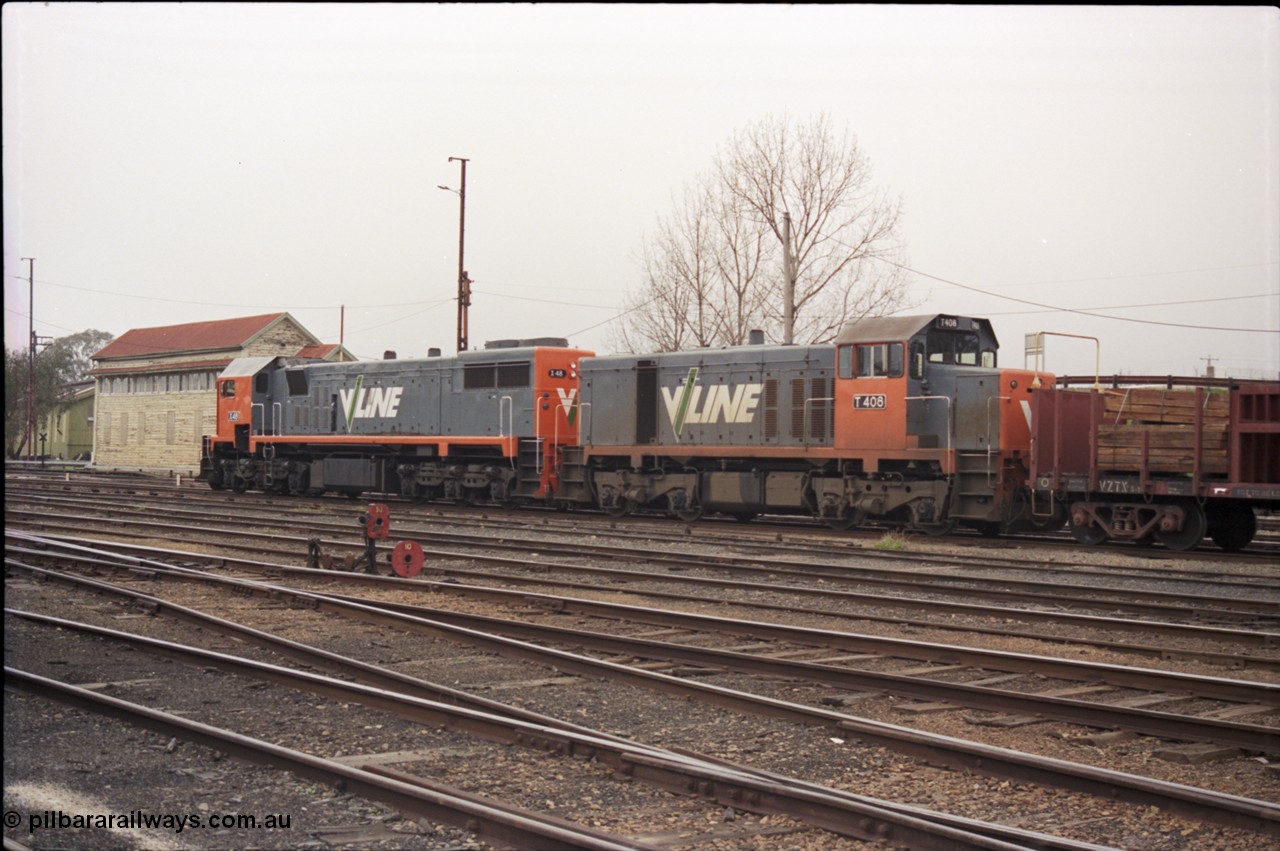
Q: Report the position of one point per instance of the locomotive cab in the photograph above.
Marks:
(898, 384)
(922, 398)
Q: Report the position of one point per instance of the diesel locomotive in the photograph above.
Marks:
(902, 421)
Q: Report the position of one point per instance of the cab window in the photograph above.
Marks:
(228, 389)
(876, 360)
(953, 347)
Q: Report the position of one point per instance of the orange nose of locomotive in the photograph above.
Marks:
(1017, 393)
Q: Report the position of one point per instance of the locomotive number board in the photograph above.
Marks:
(869, 402)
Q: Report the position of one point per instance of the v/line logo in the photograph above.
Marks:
(360, 402)
(569, 402)
(689, 405)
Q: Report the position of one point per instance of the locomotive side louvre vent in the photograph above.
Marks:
(797, 408)
(809, 411)
(771, 409)
(821, 408)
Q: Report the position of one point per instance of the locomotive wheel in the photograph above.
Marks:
(845, 520)
(937, 530)
(689, 514)
(1232, 528)
(621, 508)
(1194, 526)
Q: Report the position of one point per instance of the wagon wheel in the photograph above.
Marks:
(1232, 528)
(1194, 525)
(1088, 534)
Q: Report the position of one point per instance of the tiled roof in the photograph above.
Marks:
(319, 350)
(193, 337)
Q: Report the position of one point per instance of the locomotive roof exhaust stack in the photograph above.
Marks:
(433, 352)
(755, 337)
(389, 355)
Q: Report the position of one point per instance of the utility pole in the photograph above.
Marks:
(1208, 370)
(31, 360)
(464, 282)
(788, 285)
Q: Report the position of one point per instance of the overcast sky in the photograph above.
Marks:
(176, 163)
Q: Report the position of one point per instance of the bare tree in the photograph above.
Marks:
(65, 360)
(714, 269)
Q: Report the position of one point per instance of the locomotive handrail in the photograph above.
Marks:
(1097, 355)
(946, 399)
(277, 419)
(510, 404)
(257, 428)
(991, 451)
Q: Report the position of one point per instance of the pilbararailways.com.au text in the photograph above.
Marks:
(143, 820)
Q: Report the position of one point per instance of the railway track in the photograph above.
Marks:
(1236, 812)
(571, 636)
(1265, 548)
(774, 648)
(1248, 600)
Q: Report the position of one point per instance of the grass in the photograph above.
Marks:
(893, 542)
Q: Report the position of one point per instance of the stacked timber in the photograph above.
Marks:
(1167, 418)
